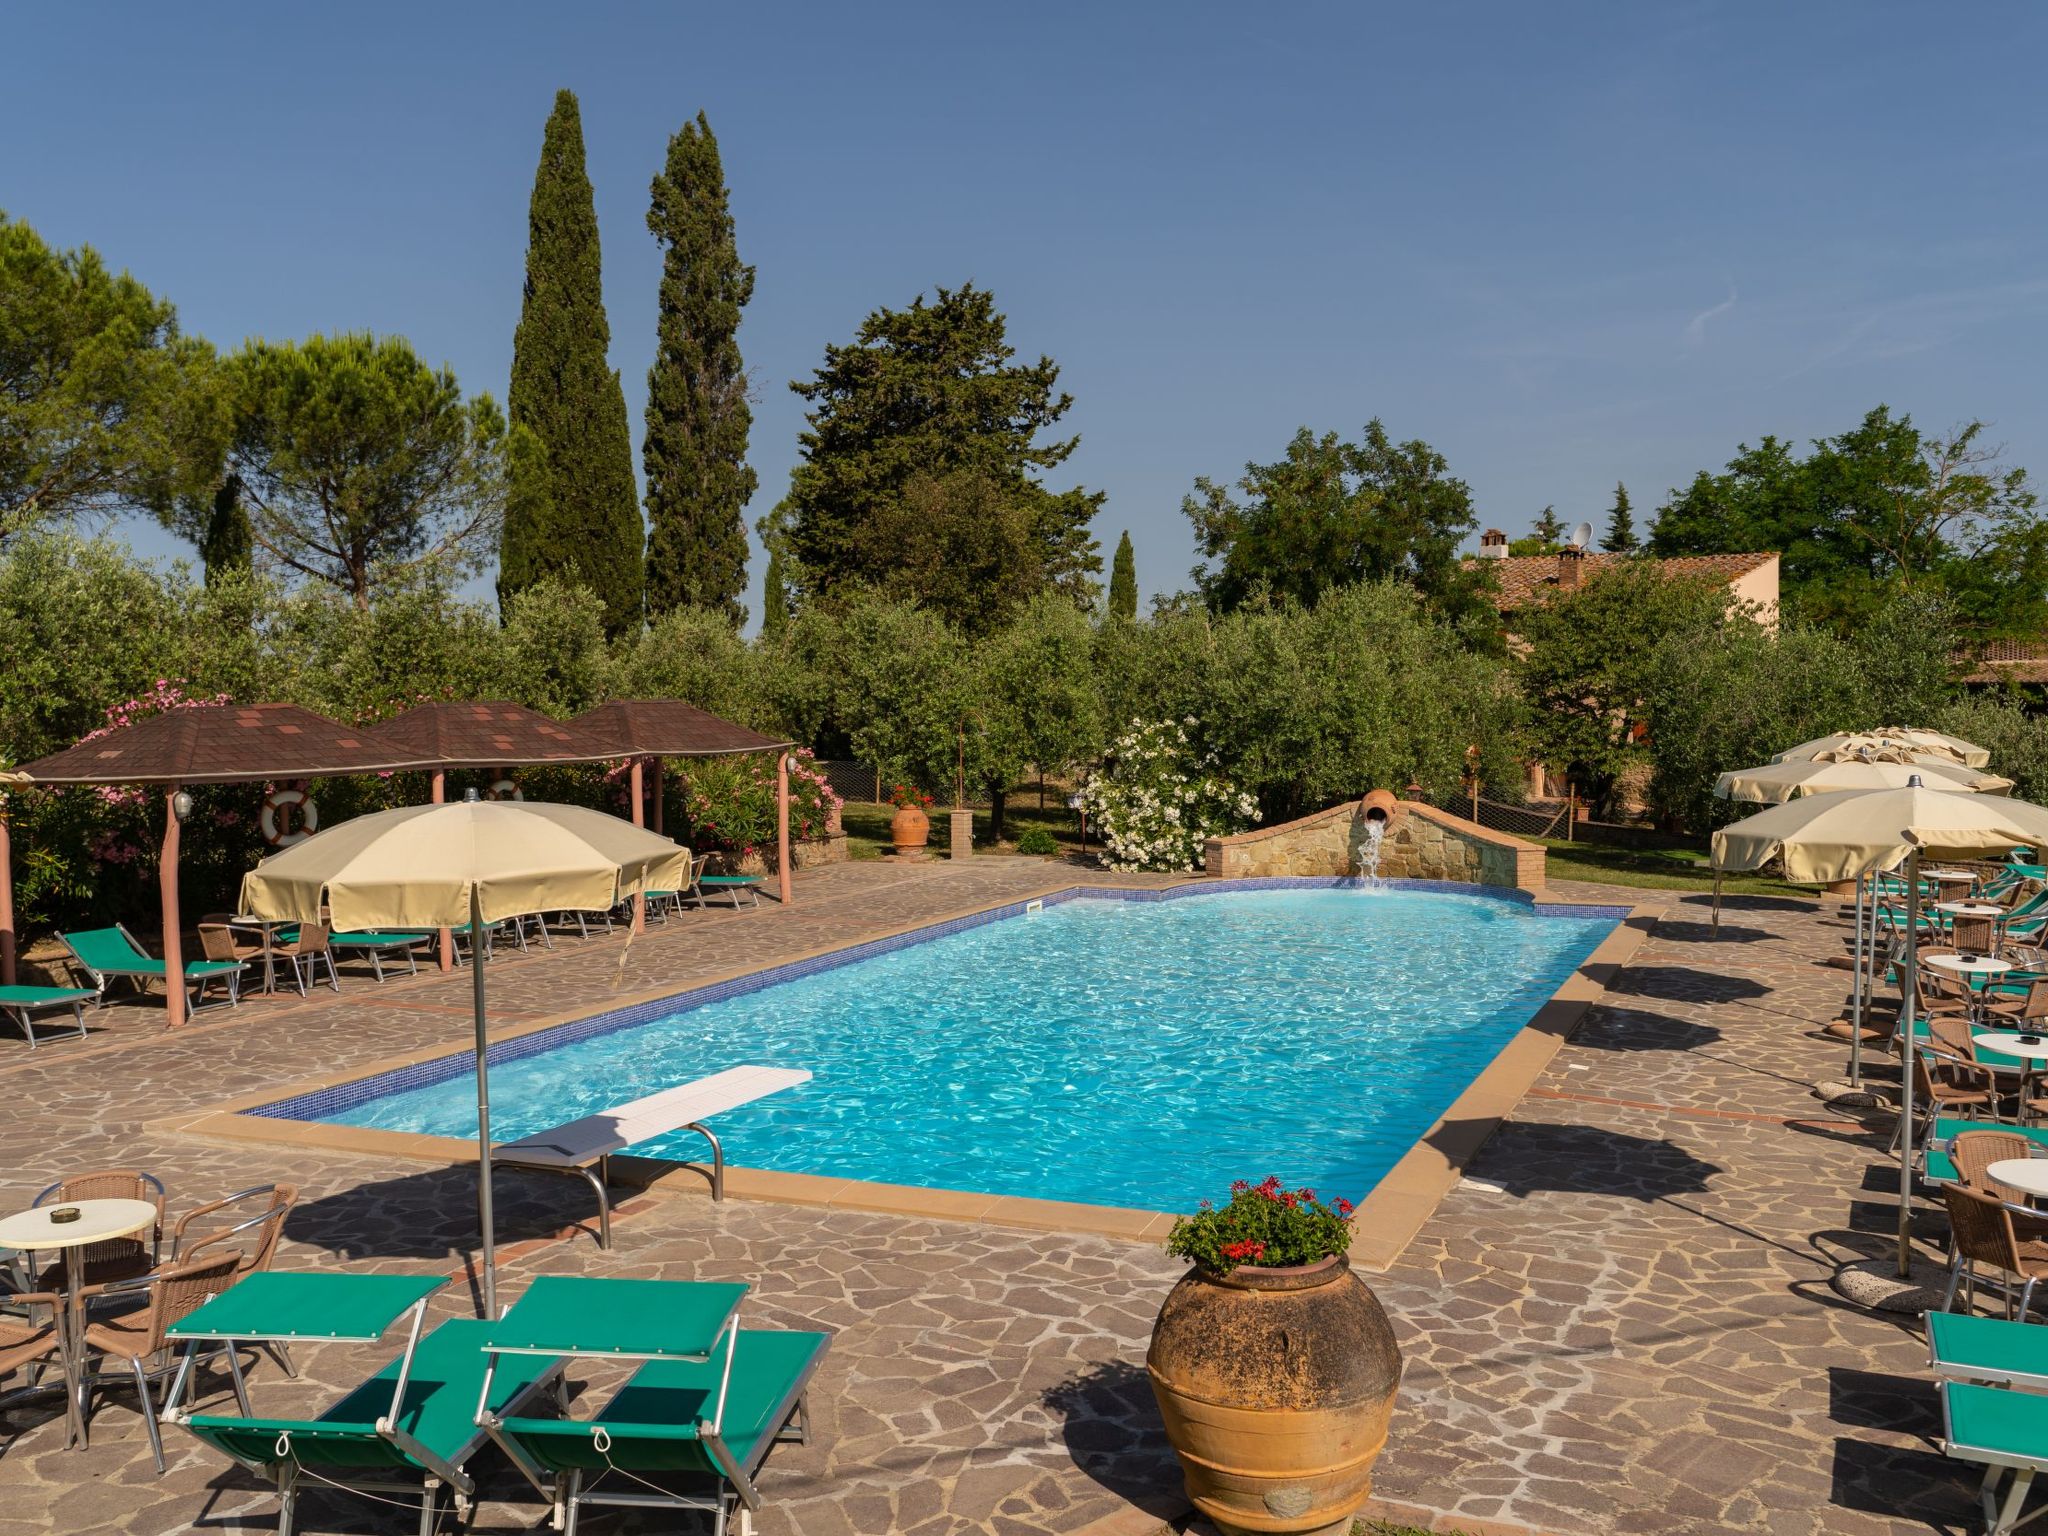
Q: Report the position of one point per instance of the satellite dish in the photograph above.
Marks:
(1581, 536)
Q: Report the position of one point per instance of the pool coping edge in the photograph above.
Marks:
(1385, 1222)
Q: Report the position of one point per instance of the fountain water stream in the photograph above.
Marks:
(1369, 850)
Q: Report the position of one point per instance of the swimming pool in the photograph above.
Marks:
(1125, 1052)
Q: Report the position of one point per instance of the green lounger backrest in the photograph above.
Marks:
(2012, 1425)
(652, 1422)
(439, 1410)
(108, 949)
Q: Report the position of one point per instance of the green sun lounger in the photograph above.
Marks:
(408, 1430)
(377, 944)
(2003, 1432)
(23, 1002)
(688, 1430)
(106, 954)
(1988, 1350)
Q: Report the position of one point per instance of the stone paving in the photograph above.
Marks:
(1619, 1323)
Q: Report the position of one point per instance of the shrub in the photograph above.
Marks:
(1264, 1225)
(1160, 799)
(730, 802)
(1037, 842)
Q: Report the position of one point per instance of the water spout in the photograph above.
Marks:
(1369, 850)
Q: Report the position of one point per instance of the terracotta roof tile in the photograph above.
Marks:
(489, 735)
(668, 728)
(1521, 580)
(220, 744)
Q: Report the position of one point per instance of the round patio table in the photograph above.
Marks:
(1974, 966)
(1947, 880)
(1969, 909)
(33, 1231)
(2027, 1173)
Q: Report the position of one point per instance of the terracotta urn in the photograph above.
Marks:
(1276, 1386)
(1380, 805)
(909, 829)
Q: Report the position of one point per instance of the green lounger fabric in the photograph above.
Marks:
(439, 1409)
(371, 939)
(1970, 1348)
(108, 951)
(652, 1421)
(587, 1315)
(1941, 1170)
(42, 997)
(1993, 1423)
(307, 1304)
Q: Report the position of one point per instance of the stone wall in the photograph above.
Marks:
(1421, 843)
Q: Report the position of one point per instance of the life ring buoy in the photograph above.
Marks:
(503, 789)
(277, 828)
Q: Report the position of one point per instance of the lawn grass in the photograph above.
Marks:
(1666, 869)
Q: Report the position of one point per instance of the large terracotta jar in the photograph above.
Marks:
(909, 829)
(1276, 1386)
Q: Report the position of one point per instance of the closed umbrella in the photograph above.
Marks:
(1823, 838)
(475, 861)
(1899, 744)
(1968, 753)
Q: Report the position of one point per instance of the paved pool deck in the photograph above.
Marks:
(1620, 1322)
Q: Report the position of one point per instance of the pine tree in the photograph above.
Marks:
(695, 452)
(1620, 538)
(1123, 581)
(1545, 536)
(584, 525)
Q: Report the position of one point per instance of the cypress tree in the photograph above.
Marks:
(774, 600)
(695, 452)
(583, 524)
(1123, 581)
(227, 543)
(1620, 538)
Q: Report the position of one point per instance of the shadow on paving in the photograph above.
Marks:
(1110, 1423)
(1861, 1399)
(1904, 1483)
(1684, 984)
(1616, 1028)
(1524, 1157)
(1686, 931)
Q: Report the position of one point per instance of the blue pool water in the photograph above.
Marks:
(1112, 1052)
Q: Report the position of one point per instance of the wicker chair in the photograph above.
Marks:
(254, 1230)
(1935, 994)
(118, 1258)
(139, 1336)
(1947, 1085)
(1981, 1232)
(28, 1341)
(219, 940)
(1973, 1152)
(305, 954)
(1974, 935)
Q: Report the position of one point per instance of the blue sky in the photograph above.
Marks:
(1565, 245)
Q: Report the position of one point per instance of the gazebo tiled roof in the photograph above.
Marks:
(219, 744)
(668, 728)
(448, 734)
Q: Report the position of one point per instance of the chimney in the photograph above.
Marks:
(1571, 566)
(1493, 545)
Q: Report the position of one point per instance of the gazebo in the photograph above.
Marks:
(498, 734)
(648, 730)
(204, 744)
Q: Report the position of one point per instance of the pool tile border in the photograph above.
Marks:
(1385, 1222)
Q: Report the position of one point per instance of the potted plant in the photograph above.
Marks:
(1274, 1365)
(911, 826)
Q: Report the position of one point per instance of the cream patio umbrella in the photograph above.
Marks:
(1968, 753)
(1774, 783)
(1895, 743)
(1819, 839)
(473, 861)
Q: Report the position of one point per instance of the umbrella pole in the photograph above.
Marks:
(1717, 901)
(1856, 997)
(1906, 1059)
(483, 1110)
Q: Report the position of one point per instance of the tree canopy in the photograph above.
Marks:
(105, 405)
(353, 460)
(579, 522)
(1545, 535)
(921, 467)
(1329, 514)
(1878, 509)
(698, 418)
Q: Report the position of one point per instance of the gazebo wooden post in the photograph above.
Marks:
(782, 827)
(6, 902)
(446, 946)
(167, 885)
(639, 798)
(658, 796)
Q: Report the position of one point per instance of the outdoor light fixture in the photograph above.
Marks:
(181, 805)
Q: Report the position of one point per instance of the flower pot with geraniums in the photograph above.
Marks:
(1274, 1365)
(911, 827)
